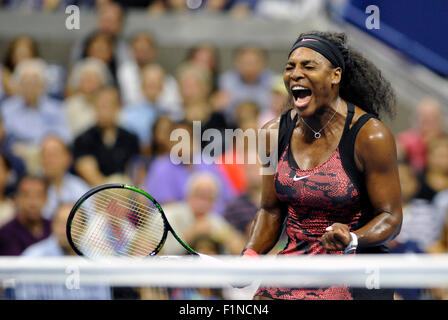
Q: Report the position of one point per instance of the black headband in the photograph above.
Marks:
(323, 46)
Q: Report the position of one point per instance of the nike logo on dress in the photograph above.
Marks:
(300, 178)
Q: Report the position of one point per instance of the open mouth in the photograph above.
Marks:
(302, 96)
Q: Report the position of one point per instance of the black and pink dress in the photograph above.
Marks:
(316, 198)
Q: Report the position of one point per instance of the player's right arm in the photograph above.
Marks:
(266, 227)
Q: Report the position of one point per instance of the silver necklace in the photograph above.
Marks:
(317, 134)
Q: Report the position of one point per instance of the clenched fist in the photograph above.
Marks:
(337, 237)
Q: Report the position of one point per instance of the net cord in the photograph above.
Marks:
(388, 271)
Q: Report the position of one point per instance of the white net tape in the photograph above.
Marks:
(385, 271)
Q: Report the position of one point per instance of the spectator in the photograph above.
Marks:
(24, 48)
(422, 224)
(279, 102)
(247, 113)
(139, 119)
(205, 244)
(19, 49)
(211, 6)
(161, 130)
(140, 4)
(101, 46)
(166, 180)
(195, 217)
(242, 8)
(441, 202)
(243, 143)
(6, 203)
(435, 178)
(429, 125)
(87, 77)
(105, 149)
(286, 10)
(110, 21)
(248, 81)
(218, 5)
(50, 5)
(195, 89)
(160, 146)
(63, 186)
(144, 52)
(28, 226)
(155, 7)
(206, 56)
(31, 115)
(177, 5)
(241, 211)
(15, 163)
(56, 245)
(441, 246)
(144, 49)
(422, 221)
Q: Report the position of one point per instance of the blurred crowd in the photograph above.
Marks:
(236, 8)
(108, 116)
(423, 170)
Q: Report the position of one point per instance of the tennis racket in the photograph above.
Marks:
(118, 220)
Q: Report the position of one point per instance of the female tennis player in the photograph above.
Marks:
(336, 181)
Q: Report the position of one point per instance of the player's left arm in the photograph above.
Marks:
(376, 157)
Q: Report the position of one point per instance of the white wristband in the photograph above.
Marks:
(353, 244)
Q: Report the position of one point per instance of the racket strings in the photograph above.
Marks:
(121, 222)
(131, 200)
(117, 223)
(152, 241)
(117, 220)
(78, 231)
(127, 239)
(135, 206)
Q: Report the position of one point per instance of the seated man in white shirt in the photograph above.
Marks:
(56, 246)
(63, 186)
(31, 115)
(144, 53)
(249, 80)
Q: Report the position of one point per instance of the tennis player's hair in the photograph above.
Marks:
(362, 83)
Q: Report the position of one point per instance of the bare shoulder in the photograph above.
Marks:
(273, 124)
(268, 137)
(375, 145)
(374, 132)
(270, 129)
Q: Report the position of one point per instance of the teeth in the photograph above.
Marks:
(299, 88)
